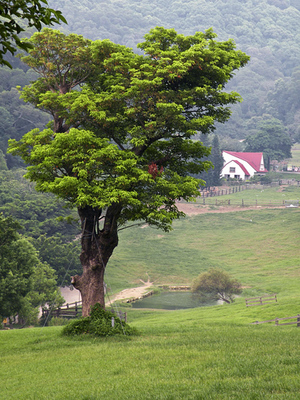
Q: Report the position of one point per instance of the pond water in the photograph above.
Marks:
(172, 301)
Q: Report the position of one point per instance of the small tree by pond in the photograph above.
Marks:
(216, 284)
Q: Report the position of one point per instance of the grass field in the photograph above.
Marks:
(202, 353)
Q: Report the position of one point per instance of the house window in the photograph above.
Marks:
(237, 176)
(232, 169)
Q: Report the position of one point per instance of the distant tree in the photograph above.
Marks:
(213, 176)
(44, 290)
(17, 261)
(270, 139)
(34, 13)
(216, 284)
(25, 282)
(121, 148)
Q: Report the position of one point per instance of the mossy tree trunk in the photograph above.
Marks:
(97, 247)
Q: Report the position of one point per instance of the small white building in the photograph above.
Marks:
(242, 166)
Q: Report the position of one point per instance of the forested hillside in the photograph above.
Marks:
(267, 30)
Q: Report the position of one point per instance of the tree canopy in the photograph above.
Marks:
(121, 146)
(272, 140)
(217, 284)
(34, 13)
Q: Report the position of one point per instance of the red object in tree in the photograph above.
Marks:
(153, 170)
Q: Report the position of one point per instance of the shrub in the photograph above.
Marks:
(99, 323)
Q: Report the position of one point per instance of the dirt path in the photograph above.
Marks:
(136, 292)
(71, 296)
(193, 209)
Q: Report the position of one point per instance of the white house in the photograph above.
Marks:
(242, 165)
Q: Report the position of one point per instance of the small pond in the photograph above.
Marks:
(172, 301)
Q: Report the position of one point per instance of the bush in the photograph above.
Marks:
(99, 323)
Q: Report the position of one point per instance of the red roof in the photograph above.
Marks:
(254, 159)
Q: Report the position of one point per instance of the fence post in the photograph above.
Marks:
(260, 299)
(298, 320)
(242, 202)
(276, 321)
(112, 322)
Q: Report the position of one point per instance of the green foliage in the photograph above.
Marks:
(17, 260)
(272, 140)
(38, 213)
(17, 118)
(36, 13)
(217, 284)
(99, 323)
(139, 111)
(25, 282)
(213, 176)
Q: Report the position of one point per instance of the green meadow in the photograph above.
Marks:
(259, 246)
(202, 353)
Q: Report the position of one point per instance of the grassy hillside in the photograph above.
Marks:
(260, 247)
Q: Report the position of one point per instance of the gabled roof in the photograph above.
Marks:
(239, 164)
(254, 159)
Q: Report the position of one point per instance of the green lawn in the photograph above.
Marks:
(204, 353)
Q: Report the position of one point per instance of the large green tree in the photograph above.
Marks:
(14, 14)
(120, 147)
(272, 140)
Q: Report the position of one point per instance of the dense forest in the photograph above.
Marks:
(267, 30)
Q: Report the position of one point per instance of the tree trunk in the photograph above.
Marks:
(97, 245)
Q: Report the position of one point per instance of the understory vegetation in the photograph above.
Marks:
(100, 323)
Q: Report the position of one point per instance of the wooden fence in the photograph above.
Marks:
(74, 310)
(278, 323)
(219, 191)
(69, 310)
(261, 300)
